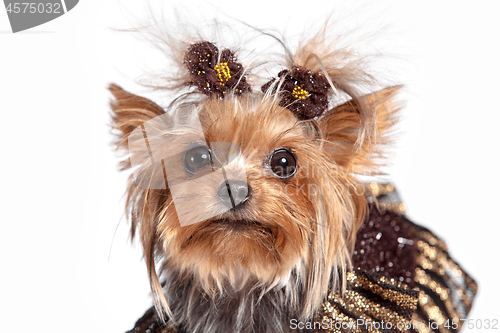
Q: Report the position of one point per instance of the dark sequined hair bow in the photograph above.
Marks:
(213, 72)
(303, 92)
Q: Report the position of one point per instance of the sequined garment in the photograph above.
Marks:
(404, 280)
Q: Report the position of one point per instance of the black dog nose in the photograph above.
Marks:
(233, 193)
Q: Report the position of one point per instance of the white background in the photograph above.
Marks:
(66, 261)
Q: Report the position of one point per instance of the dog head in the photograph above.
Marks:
(236, 188)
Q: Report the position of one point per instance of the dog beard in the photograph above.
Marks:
(251, 308)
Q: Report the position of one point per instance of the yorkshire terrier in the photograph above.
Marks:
(248, 202)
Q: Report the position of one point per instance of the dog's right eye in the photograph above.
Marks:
(196, 159)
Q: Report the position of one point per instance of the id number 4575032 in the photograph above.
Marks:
(472, 324)
(34, 7)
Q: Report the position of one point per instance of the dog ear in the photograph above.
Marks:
(356, 132)
(129, 111)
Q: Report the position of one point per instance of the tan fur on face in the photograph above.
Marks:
(300, 228)
(273, 243)
(306, 223)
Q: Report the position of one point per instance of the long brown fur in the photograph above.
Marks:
(294, 237)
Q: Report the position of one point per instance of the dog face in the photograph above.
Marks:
(238, 190)
(244, 225)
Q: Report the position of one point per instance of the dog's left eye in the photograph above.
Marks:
(283, 163)
(196, 159)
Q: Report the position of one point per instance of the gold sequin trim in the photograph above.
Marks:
(395, 296)
(433, 311)
(337, 315)
(419, 325)
(442, 291)
(432, 240)
(223, 72)
(392, 203)
(395, 207)
(380, 189)
(359, 306)
(433, 257)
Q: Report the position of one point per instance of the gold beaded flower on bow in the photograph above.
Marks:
(215, 72)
